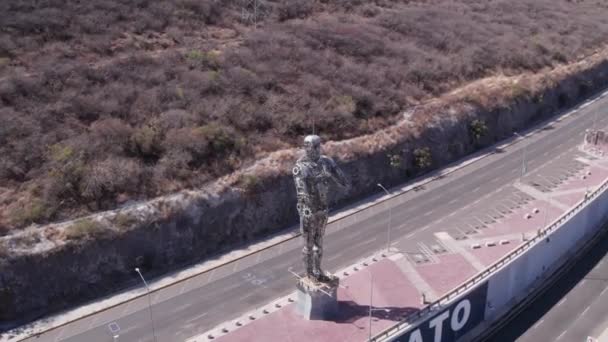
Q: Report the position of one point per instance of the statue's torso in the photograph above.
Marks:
(316, 175)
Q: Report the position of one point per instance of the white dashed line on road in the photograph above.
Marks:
(58, 338)
(539, 323)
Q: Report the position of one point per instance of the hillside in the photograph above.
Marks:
(112, 101)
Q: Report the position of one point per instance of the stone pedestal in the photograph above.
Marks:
(317, 300)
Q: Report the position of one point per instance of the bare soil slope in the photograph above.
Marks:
(105, 102)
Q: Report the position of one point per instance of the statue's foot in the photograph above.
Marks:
(322, 277)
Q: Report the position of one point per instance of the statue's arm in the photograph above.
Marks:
(302, 191)
(338, 176)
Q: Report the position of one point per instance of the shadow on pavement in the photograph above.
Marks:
(350, 311)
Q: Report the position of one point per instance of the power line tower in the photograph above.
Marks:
(250, 11)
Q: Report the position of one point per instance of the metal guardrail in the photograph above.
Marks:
(485, 274)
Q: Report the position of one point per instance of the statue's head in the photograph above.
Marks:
(312, 146)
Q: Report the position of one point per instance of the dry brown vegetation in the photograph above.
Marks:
(103, 102)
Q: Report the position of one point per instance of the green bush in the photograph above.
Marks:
(61, 153)
(478, 129)
(37, 211)
(249, 183)
(124, 221)
(423, 158)
(220, 139)
(146, 140)
(395, 161)
(84, 229)
(202, 59)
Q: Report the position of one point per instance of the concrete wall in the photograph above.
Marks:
(512, 281)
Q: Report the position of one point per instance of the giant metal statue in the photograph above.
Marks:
(313, 174)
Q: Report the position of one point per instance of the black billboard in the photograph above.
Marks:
(452, 322)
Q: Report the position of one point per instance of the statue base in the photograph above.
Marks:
(317, 300)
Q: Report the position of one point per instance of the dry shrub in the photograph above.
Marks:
(110, 135)
(105, 179)
(183, 117)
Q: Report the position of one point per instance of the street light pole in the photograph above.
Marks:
(371, 297)
(390, 214)
(595, 120)
(523, 160)
(149, 302)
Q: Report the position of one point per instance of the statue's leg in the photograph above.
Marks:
(307, 249)
(319, 232)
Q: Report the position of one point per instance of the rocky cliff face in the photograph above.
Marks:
(46, 268)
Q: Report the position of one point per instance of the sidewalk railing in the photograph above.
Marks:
(488, 272)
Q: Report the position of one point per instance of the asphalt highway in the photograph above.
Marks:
(571, 310)
(190, 308)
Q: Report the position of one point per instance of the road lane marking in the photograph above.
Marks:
(561, 302)
(93, 321)
(562, 334)
(184, 286)
(211, 275)
(539, 323)
(182, 307)
(587, 309)
(58, 338)
(197, 317)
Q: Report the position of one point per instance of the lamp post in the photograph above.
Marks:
(390, 214)
(523, 159)
(149, 302)
(371, 306)
(371, 297)
(595, 120)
